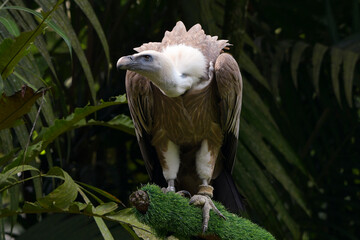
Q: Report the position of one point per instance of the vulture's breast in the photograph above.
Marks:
(188, 119)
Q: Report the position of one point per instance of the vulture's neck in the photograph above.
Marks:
(182, 68)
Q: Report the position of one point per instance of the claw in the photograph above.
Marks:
(184, 193)
(207, 204)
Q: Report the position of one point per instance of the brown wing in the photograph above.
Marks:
(229, 83)
(140, 101)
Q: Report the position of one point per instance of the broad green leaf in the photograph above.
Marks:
(11, 26)
(127, 216)
(105, 232)
(63, 22)
(336, 61)
(15, 106)
(30, 23)
(263, 183)
(249, 66)
(4, 177)
(49, 134)
(105, 208)
(13, 53)
(120, 122)
(350, 60)
(249, 189)
(64, 195)
(317, 58)
(253, 140)
(251, 97)
(90, 14)
(49, 22)
(272, 135)
(296, 54)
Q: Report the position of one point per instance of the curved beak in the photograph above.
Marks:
(126, 62)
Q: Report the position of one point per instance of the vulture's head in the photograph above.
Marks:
(174, 70)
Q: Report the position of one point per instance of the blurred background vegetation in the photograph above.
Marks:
(298, 158)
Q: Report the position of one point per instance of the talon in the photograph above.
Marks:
(184, 193)
(207, 204)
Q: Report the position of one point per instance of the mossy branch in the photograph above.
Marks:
(171, 214)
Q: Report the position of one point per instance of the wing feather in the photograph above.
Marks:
(141, 102)
(229, 83)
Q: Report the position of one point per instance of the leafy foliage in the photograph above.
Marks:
(297, 156)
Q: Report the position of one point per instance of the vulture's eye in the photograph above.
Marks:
(147, 57)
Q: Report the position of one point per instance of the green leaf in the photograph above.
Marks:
(317, 58)
(336, 61)
(16, 49)
(100, 191)
(253, 140)
(49, 22)
(11, 26)
(64, 195)
(17, 105)
(4, 177)
(63, 22)
(263, 183)
(85, 6)
(105, 208)
(350, 59)
(249, 66)
(127, 216)
(120, 122)
(272, 135)
(60, 126)
(296, 54)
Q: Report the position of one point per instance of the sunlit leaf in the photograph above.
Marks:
(49, 22)
(11, 26)
(16, 48)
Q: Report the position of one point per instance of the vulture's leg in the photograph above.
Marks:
(170, 162)
(205, 163)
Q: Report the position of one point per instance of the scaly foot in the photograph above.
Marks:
(207, 204)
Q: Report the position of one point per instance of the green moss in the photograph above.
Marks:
(171, 214)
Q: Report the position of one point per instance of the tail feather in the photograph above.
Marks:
(225, 191)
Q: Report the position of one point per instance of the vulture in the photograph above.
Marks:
(184, 95)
